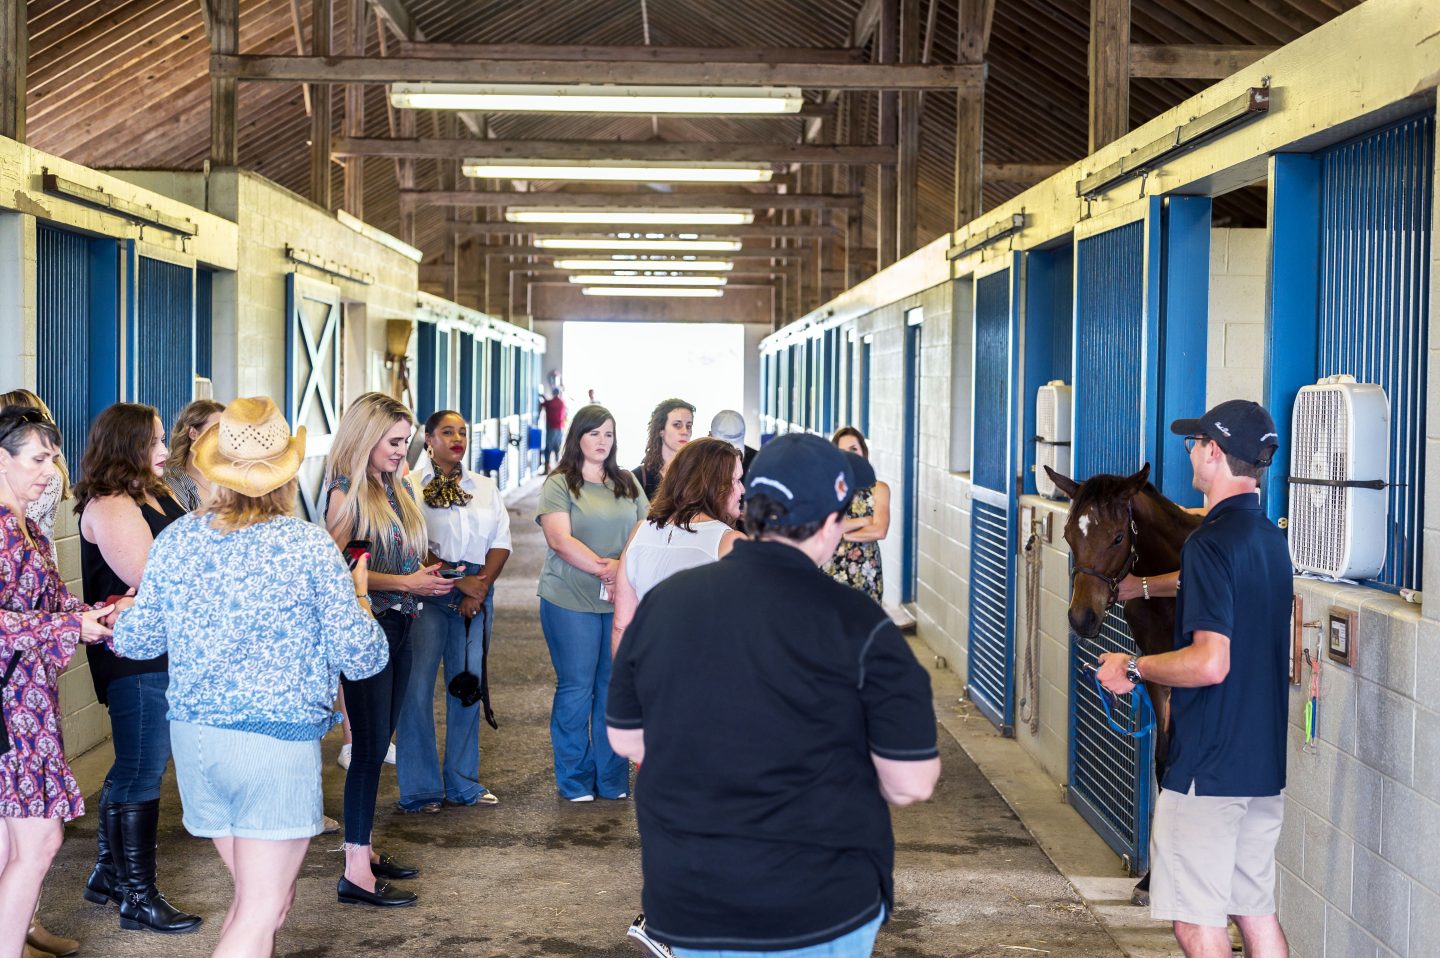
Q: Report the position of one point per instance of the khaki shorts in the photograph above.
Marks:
(1213, 856)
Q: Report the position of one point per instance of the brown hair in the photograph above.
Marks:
(28, 399)
(191, 417)
(232, 511)
(698, 481)
(655, 438)
(572, 460)
(844, 431)
(117, 456)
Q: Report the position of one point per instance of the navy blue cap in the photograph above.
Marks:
(1240, 427)
(809, 475)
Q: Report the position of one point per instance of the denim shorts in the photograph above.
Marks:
(247, 785)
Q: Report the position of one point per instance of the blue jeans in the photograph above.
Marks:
(580, 651)
(439, 633)
(140, 733)
(373, 705)
(857, 944)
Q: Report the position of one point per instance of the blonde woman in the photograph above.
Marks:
(240, 594)
(42, 511)
(188, 484)
(368, 499)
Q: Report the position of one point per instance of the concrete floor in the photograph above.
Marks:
(535, 876)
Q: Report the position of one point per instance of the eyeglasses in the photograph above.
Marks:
(1190, 441)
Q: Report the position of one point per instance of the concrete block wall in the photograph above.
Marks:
(1049, 744)
(1235, 366)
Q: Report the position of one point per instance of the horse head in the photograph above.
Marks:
(1101, 533)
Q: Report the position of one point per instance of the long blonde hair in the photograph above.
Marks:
(367, 511)
(24, 397)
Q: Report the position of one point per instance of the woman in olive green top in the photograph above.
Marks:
(588, 506)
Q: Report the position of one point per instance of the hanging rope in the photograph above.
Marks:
(1029, 670)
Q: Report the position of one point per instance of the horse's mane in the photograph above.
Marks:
(1107, 493)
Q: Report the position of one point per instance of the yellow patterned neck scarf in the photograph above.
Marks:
(442, 491)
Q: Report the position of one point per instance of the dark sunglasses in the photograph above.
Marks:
(13, 421)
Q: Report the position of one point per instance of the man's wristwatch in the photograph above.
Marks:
(1132, 670)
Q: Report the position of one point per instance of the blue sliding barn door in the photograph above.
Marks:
(164, 336)
(1109, 780)
(314, 386)
(991, 661)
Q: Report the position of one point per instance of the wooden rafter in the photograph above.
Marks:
(746, 201)
(633, 151)
(755, 230)
(13, 59)
(1193, 61)
(629, 54)
(1109, 71)
(825, 76)
(223, 20)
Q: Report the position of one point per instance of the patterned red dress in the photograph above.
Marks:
(41, 619)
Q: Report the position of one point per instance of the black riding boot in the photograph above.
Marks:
(100, 886)
(133, 839)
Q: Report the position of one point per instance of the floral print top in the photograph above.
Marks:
(40, 619)
(390, 558)
(857, 564)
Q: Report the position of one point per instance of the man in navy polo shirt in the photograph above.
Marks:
(1212, 851)
(776, 712)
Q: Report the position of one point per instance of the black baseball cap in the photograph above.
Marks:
(811, 476)
(1240, 427)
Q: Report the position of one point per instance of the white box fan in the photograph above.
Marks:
(1339, 469)
(1054, 403)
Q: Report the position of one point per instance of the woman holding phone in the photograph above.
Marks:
(367, 499)
(588, 506)
(469, 532)
(123, 506)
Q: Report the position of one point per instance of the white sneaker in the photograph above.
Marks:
(343, 760)
(390, 754)
(650, 946)
(581, 798)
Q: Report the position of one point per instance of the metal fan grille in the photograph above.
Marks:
(1320, 450)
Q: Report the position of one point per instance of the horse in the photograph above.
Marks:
(1119, 526)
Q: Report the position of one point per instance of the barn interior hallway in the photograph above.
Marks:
(535, 876)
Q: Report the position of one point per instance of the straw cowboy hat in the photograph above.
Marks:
(250, 450)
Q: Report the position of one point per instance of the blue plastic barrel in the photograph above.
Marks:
(535, 439)
(490, 460)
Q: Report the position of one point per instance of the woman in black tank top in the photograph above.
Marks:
(123, 505)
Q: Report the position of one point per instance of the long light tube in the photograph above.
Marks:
(622, 216)
(690, 292)
(603, 279)
(638, 245)
(674, 265)
(612, 171)
(595, 98)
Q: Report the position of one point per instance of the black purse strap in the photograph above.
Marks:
(10, 669)
(484, 662)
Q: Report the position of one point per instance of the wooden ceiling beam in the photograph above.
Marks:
(756, 230)
(628, 54)
(555, 200)
(223, 20)
(13, 57)
(1193, 61)
(825, 76)
(1109, 71)
(648, 151)
(540, 252)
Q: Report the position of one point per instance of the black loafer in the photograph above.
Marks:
(384, 895)
(388, 867)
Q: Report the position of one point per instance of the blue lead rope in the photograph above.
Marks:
(1142, 706)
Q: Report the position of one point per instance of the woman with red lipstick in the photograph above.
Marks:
(366, 498)
(123, 506)
(469, 532)
(671, 424)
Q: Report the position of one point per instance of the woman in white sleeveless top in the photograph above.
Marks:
(691, 522)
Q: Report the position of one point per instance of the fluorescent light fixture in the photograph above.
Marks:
(603, 279)
(617, 216)
(614, 171)
(379, 236)
(638, 245)
(595, 98)
(690, 292)
(674, 265)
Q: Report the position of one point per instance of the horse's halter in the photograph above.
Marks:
(1112, 582)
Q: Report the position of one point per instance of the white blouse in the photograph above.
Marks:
(655, 554)
(464, 533)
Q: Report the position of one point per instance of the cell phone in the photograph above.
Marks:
(353, 550)
(451, 573)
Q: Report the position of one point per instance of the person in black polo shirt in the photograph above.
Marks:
(776, 712)
(1212, 850)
